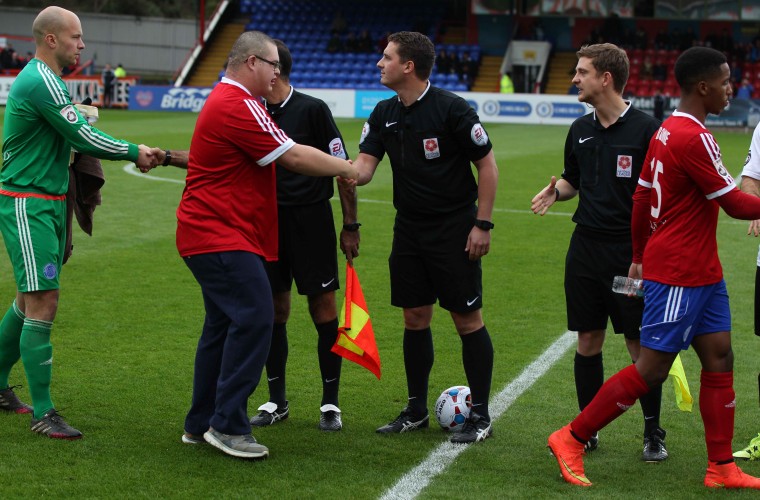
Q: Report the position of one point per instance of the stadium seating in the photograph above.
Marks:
(304, 25)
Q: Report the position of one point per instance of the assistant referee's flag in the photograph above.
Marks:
(356, 340)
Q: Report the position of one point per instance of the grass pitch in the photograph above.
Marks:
(130, 315)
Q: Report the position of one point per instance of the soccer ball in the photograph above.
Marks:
(453, 407)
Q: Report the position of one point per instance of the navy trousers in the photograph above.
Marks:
(234, 345)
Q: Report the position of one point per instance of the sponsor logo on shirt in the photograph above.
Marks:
(478, 135)
(69, 114)
(431, 148)
(365, 131)
(336, 148)
(624, 163)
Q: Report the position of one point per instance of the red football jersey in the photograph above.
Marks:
(230, 200)
(684, 173)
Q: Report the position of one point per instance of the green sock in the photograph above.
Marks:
(37, 355)
(10, 336)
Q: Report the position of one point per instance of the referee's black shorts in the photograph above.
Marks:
(307, 250)
(593, 260)
(428, 263)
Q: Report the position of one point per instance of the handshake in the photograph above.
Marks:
(148, 158)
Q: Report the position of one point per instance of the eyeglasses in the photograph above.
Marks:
(276, 65)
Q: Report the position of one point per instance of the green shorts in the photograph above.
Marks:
(34, 230)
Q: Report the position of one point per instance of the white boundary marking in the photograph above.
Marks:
(413, 482)
(132, 170)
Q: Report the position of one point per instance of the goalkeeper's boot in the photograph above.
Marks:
(751, 452)
(10, 403)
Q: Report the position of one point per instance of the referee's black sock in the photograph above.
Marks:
(276, 361)
(418, 361)
(477, 358)
(329, 362)
(589, 377)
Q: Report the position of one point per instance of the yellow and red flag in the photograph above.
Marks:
(356, 340)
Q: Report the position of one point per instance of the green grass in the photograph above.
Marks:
(130, 315)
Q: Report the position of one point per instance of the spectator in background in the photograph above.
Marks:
(505, 85)
(108, 76)
(469, 69)
(120, 72)
(688, 39)
(351, 44)
(339, 24)
(364, 42)
(442, 63)
(335, 44)
(642, 42)
(647, 69)
(659, 105)
(6, 57)
(454, 66)
(383, 42)
(745, 90)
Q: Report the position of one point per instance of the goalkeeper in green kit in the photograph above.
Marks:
(41, 127)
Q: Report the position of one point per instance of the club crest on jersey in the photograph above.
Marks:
(336, 148)
(718, 163)
(624, 163)
(69, 114)
(478, 135)
(365, 131)
(49, 271)
(431, 148)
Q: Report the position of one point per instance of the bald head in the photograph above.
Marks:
(51, 20)
(58, 37)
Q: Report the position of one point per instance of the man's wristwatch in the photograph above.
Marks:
(168, 158)
(485, 225)
(354, 226)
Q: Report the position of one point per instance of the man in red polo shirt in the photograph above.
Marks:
(226, 229)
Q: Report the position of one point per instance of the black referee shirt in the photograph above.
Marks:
(604, 165)
(307, 120)
(430, 145)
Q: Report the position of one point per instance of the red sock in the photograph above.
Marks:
(618, 394)
(717, 403)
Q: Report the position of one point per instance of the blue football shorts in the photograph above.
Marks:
(674, 315)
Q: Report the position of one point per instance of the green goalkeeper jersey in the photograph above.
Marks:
(41, 126)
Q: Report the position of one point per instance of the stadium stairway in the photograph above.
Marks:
(213, 57)
(559, 75)
(488, 75)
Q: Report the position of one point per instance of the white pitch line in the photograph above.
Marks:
(132, 170)
(413, 482)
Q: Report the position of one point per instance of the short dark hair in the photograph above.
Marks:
(286, 60)
(415, 47)
(608, 57)
(697, 64)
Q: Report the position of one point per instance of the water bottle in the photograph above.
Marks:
(627, 286)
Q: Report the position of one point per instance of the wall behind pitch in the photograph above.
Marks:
(142, 45)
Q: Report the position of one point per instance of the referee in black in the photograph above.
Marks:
(604, 152)
(307, 246)
(431, 137)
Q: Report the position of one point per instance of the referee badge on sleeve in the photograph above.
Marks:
(431, 148)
